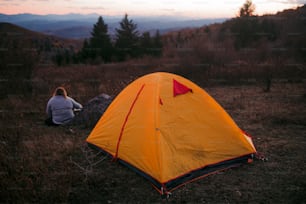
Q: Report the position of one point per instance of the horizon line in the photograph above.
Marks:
(118, 15)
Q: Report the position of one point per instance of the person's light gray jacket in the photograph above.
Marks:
(61, 109)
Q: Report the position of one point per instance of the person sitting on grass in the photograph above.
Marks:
(60, 108)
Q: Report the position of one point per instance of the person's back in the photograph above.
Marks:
(60, 108)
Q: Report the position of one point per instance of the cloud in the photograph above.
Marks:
(298, 1)
(139, 2)
(93, 8)
(291, 1)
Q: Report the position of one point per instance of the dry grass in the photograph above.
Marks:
(42, 164)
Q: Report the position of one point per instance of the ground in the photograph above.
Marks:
(54, 165)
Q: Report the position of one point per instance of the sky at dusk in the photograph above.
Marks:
(191, 8)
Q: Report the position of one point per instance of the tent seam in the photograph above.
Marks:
(125, 121)
(157, 121)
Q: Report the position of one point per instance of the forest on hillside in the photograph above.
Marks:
(246, 38)
(244, 47)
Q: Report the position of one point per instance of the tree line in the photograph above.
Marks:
(101, 48)
(129, 43)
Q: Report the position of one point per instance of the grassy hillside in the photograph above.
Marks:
(247, 47)
(45, 46)
(21, 51)
(53, 164)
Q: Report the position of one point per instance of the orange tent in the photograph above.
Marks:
(170, 131)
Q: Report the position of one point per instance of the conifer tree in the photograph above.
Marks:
(151, 45)
(85, 52)
(127, 40)
(146, 43)
(157, 44)
(100, 45)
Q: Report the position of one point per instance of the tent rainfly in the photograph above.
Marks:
(170, 131)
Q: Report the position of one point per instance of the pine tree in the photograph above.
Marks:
(100, 45)
(127, 40)
(146, 43)
(157, 44)
(85, 52)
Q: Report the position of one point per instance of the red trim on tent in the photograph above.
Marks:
(125, 121)
(160, 101)
(200, 177)
(207, 174)
(179, 88)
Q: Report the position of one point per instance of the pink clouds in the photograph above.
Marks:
(195, 8)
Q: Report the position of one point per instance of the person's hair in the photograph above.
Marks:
(60, 91)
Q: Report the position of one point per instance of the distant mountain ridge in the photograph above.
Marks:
(79, 26)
